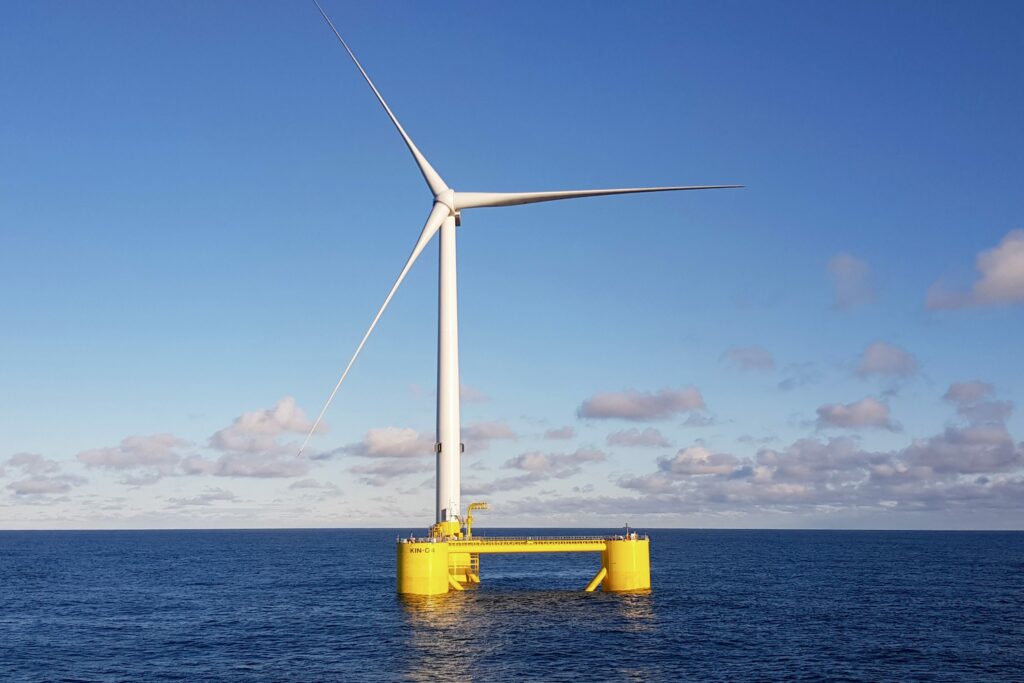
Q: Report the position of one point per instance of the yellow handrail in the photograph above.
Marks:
(469, 516)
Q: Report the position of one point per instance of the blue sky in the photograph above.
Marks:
(202, 206)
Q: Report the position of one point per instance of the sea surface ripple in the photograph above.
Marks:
(320, 605)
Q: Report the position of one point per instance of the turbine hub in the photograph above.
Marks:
(446, 197)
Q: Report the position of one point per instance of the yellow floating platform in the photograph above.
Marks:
(434, 566)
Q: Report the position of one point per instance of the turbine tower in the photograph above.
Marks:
(445, 216)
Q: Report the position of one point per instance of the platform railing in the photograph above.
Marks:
(496, 540)
(531, 539)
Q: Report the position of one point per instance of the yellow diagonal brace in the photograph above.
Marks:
(596, 581)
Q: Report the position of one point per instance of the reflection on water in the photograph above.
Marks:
(437, 637)
(431, 611)
(450, 636)
(637, 610)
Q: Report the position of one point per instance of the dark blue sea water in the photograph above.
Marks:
(315, 605)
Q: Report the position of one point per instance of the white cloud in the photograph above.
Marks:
(41, 477)
(32, 463)
(867, 412)
(836, 474)
(1000, 278)
(750, 358)
(535, 461)
(405, 442)
(654, 483)
(696, 419)
(974, 402)
(382, 472)
(887, 360)
(698, 460)
(478, 436)
(560, 433)
(398, 451)
(468, 394)
(973, 467)
(852, 279)
(404, 451)
(832, 462)
(258, 431)
(154, 456)
(209, 497)
(749, 499)
(258, 465)
(37, 485)
(250, 446)
(976, 449)
(800, 374)
(538, 467)
(141, 478)
(649, 437)
(641, 406)
(962, 393)
(312, 484)
(970, 467)
(393, 442)
(196, 465)
(475, 488)
(806, 472)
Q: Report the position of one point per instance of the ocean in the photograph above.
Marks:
(320, 605)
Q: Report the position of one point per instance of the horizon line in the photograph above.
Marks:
(637, 528)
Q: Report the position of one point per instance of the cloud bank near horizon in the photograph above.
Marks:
(972, 463)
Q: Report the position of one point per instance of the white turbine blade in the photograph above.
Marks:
(476, 200)
(437, 216)
(437, 185)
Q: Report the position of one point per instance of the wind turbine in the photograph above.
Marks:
(444, 216)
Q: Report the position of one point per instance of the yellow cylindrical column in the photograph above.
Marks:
(422, 568)
(628, 562)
